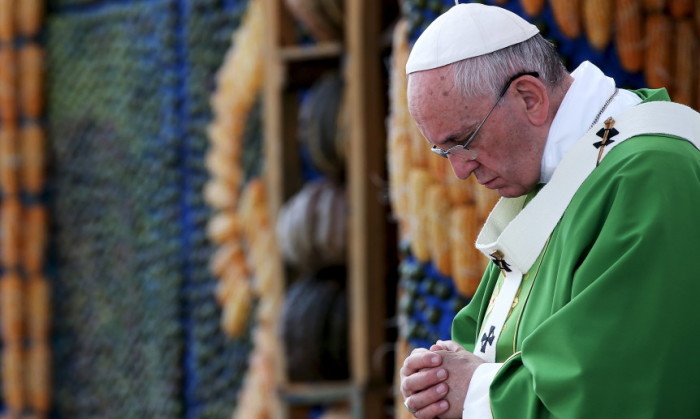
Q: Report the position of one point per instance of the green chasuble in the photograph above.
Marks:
(606, 322)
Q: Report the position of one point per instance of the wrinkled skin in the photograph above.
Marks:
(509, 145)
(434, 382)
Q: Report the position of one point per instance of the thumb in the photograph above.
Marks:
(446, 345)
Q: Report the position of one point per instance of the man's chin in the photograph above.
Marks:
(512, 191)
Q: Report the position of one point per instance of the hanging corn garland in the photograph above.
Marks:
(246, 262)
(24, 290)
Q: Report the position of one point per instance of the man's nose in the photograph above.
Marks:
(463, 168)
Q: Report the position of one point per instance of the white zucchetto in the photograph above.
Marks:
(465, 31)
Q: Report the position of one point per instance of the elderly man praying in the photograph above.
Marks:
(589, 309)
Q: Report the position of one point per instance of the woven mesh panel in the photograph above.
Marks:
(135, 323)
(215, 364)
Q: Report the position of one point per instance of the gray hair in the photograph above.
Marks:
(486, 74)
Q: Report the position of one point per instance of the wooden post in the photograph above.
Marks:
(366, 162)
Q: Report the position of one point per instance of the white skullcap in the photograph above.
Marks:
(465, 31)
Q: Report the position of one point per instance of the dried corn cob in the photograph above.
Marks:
(463, 222)
(399, 154)
(8, 78)
(10, 222)
(398, 82)
(532, 7)
(31, 64)
(9, 181)
(654, 6)
(484, 199)
(460, 191)
(268, 276)
(33, 158)
(419, 181)
(236, 310)
(12, 377)
(568, 17)
(39, 377)
(229, 280)
(437, 206)
(437, 166)
(35, 238)
(229, 253)
(29, 17)
(7, 23)
(38, 300)
(657, 59)
(11, 307)
(223, 227)
(419, 147)
(681, 8)
(685, 59)
(598, 21)
(220, 195)
(628, 34)
(221, 165)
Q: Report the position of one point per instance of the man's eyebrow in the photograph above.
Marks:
(455, 138)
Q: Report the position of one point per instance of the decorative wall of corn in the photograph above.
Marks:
(656, 37)
(24, 289)
(246, 262)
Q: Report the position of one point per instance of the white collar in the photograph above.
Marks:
(587, 94)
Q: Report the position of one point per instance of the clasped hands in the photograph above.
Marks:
(434, 382)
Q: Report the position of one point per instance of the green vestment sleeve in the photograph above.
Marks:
(610, 328)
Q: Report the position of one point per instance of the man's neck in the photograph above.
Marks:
(557, 94)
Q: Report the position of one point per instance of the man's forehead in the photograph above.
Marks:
(432, 83)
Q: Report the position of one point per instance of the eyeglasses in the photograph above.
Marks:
(461, 150)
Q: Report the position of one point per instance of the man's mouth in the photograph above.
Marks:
(489, 184)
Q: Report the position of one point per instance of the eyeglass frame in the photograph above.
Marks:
(446, 153)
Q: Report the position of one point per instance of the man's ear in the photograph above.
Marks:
(534, 99)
